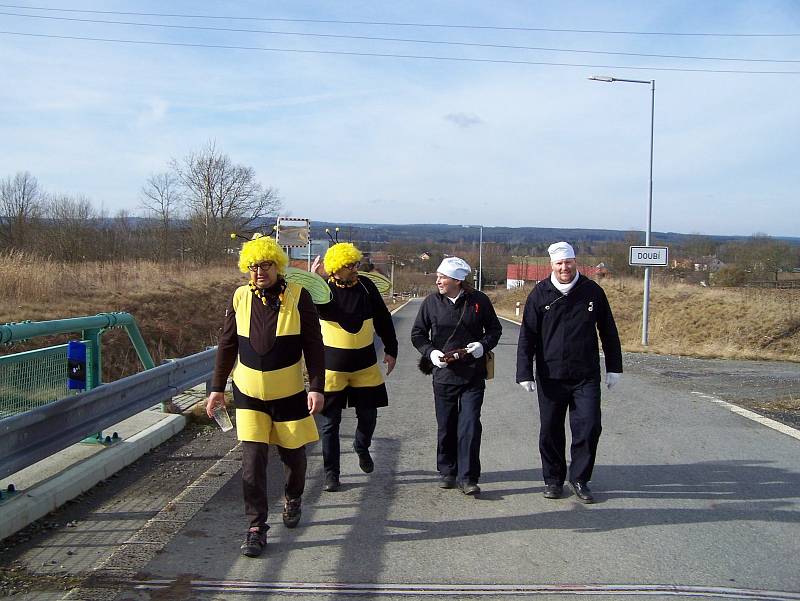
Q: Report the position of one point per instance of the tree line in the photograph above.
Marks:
(189, 211)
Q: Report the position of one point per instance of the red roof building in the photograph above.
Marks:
(528, 272)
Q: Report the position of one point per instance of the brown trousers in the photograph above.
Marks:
(254, 478)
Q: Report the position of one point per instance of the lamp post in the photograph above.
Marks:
(391, 279)
(646, 292)
(479, 277)
(480, 260)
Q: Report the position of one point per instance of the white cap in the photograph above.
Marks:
(561, 250)
(455, 268)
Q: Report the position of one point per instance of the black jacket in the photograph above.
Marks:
(350, 307)
(436, 321)
(560, 332)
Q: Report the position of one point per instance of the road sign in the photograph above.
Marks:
(293, 232)
(649, 256)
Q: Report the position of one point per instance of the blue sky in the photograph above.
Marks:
(400, 140)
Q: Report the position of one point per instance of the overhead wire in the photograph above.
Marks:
(405, 24)
(395, 55)
(402, 40)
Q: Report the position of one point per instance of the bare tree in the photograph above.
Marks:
(220, 197)
(72, 228)
(161, 197)
(20, 209)
(697, 246)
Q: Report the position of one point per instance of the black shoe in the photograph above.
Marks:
(582, 491)
(331, 482)
(447, 482)
(365, 462)
(469, 488)
(553, 491)
(255, 542)
(291, 512)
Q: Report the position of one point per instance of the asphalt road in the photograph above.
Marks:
(693, 501)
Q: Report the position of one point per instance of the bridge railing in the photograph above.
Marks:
(34, 378)
(34, 435)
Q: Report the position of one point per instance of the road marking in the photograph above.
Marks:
(458, 590)
(751, 415)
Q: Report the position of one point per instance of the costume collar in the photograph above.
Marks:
(341, 284)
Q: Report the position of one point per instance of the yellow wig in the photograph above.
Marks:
(260, 249)
(339, 255)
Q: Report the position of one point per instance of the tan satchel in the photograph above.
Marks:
(489, 365)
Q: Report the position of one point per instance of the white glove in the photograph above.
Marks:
(436, 358)
(475, 349)
(612, 379)
(529, 386)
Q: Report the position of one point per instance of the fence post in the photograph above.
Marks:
(93, 371)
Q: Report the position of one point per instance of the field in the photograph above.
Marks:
(180, 307)
(731, 323)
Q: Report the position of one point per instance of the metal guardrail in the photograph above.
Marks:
(24, 375)
(32, 436)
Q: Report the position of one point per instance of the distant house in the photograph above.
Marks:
(711, 264)
(378, 257)
(682, 263)
(425, 255)
(519, 274)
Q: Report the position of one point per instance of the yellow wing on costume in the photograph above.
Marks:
(316, 286)
(382, 283)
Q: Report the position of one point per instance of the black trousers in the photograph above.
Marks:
(329, 421)
(458, 420)
(254, 478)
(582, 399)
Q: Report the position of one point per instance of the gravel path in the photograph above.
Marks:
(771, 388)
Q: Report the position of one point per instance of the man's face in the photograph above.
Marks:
(564, 270)
(447, 285)
(264, 274)
(347, 273)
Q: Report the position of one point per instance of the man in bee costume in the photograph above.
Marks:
(269, 326)
(352, 375)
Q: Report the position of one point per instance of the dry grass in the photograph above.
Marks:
(180, 307)
(734, 323)
(26, 278)
(787, 404)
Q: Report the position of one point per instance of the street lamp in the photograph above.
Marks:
(480, 260)
(646, 293)
(479, 279)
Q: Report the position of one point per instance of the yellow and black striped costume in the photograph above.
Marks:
(349, 323)
(268, 389)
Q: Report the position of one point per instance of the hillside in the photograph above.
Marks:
(445, 233)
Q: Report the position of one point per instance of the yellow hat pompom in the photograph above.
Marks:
(339, 255)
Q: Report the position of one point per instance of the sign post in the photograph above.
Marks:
(647, 257)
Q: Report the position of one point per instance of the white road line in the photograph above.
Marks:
(751, 415)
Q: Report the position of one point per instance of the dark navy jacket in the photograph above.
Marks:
(560, 332)
(436, 323)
